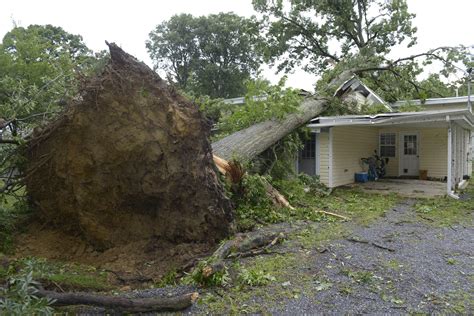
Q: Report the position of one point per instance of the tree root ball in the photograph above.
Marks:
(129, 159)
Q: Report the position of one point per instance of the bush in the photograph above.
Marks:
(11, 213)
(255, 277)
(20, 298)
(203, 275)
(253, 204)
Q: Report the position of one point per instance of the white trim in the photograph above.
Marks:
(434, 101)
(330, 162)
(389, 119)
(401, 147)
(450, 158)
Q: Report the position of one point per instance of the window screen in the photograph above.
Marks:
(387, 144)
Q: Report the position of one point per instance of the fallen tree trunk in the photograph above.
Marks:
(248, 143)
(120, 303)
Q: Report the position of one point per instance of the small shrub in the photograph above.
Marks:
(20, 298)
(253, 204)
(203, 275)
(168, 279)
(255, 277)
(12, 211)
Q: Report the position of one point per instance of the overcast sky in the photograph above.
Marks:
(439, 22)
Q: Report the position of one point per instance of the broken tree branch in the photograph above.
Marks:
(368, 242)
(120, 303)
(229, 169)
(333, 214)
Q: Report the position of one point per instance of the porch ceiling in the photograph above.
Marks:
(405, 187)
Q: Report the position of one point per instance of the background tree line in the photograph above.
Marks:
(219, 56)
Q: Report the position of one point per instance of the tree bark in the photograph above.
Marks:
(248, 143)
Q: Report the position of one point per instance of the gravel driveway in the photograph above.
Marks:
(399, 264)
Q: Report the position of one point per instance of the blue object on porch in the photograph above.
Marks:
(361, 177)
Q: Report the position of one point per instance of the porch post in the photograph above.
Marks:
(450, 158)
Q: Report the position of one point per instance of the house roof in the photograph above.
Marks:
(434, 101)
(463, 117)
(241, 100)
(354, 84)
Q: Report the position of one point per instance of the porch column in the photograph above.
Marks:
(450, 158)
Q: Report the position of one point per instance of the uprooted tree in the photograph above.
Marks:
(366, 31)
(129, 160)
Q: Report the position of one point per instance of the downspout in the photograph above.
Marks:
(469, 105)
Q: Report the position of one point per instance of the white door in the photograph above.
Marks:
(409, 154)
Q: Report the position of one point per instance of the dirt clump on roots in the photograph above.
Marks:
(125, 175)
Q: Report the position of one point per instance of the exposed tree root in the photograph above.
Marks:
(120, 303)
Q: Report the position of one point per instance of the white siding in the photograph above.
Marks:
(324, 158)
(350, 144)
(434, 151)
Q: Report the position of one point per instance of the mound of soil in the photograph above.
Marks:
(128, 166)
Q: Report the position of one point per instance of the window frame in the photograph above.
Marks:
(394, 145)
(309, 153)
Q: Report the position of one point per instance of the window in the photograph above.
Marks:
(387, 144)
(409, 145)
(309, 149)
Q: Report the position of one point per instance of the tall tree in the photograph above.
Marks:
(38, 68)
(209, 55)
(326, 37)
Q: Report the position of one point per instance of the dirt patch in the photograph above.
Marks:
(138, 263)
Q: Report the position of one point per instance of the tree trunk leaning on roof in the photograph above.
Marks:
(248, 143)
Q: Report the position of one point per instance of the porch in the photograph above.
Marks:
(434, 145)
(404, 187)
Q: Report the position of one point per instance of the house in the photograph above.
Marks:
(437, 140)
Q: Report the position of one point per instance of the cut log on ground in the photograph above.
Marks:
(130, 160)
(120, 303)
